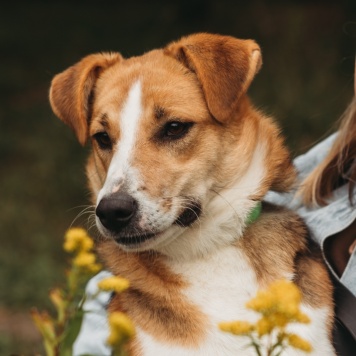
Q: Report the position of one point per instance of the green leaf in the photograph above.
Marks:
(71, 333)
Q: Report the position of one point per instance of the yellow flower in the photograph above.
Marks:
(237, 327)
(278, 319)
(94, 268)
(84, 259)
(116, 284)
(73, 237)
(282, 297)
(302, 318)
(77, 239)
(75, 233)
(278, 305)
(299, 343)
(70, 245)
(87, 244)
(287, 295)
(264, 326)
(262, 302)
(121, 329)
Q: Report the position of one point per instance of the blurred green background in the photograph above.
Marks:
(305, 83)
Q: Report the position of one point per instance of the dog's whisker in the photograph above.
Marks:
(226, 201)
(91, 220)
(81, 206)
(87, 210)
(92, 226)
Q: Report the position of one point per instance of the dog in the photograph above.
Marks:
(180, 161)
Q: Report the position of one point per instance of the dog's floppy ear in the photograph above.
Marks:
(71, 91)
(224, 66)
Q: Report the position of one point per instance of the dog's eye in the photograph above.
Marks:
(175, 129)
(103, 140)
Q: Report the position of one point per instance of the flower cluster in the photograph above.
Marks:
(77, 241)
(121, 329)
(59, 331)
(115, 284)
(120, 325)
(278, 305)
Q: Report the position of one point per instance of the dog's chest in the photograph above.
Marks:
(219, 286)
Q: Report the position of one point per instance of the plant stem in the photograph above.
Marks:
(255, 345)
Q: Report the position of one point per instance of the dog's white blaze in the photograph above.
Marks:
(129, 121)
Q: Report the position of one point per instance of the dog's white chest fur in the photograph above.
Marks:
(218, 283)
(220, 286)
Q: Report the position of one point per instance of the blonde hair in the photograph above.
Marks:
(339, 166)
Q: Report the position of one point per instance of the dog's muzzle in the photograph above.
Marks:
(119, 214)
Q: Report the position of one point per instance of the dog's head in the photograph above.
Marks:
(169, 130)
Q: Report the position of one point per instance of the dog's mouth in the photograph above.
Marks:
(189, 215)
(135, 239)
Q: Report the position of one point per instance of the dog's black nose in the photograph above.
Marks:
(116, 211)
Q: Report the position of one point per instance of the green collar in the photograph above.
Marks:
(254, 214)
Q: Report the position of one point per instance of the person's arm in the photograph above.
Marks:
(339, 247)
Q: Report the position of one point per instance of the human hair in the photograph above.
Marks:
(338, 167)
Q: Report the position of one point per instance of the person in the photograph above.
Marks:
(326, 199)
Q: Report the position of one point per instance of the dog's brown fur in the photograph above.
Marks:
(213, 72)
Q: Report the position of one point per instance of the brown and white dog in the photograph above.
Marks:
(180, 158)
